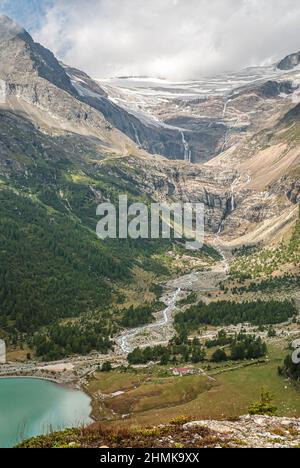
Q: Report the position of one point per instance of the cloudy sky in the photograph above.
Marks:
(175, 39)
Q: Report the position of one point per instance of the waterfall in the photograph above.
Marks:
(232, 198)
(232, 202)
(228, 100)
(187, 151)
(233, 189)
(137, 139)
(226, 136)
(225, 109)
(221, 227)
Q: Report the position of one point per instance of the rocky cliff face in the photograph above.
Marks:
(293, 115)
(289, 186)
(171, 182)
(289, 62)
(148, 134)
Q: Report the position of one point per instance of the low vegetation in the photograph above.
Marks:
(166, 436)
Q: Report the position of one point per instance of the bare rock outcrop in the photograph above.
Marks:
(289, 62)
(253, 432)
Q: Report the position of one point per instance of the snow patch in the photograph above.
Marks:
(83, 91)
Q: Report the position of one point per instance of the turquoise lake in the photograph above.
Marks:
(30, 407)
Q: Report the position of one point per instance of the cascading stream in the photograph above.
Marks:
(137, 139)
(125, 339)
(187, 151)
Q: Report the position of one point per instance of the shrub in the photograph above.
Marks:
(106, 367)
(219, 356)
(265, 406)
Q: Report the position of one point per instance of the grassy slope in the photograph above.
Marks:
(226, 391)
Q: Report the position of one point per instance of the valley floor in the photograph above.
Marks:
(144, 394)
(159, 332)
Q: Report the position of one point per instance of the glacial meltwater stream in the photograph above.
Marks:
(30, 407)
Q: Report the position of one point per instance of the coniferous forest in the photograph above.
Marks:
(232, 313)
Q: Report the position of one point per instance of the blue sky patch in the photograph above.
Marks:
(28, 13)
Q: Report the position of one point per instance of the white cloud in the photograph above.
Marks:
(176, 39)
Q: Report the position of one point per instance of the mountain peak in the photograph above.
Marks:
(22, 59)
(9, 29)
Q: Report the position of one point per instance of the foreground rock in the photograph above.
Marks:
(254, 431)
(246, 432)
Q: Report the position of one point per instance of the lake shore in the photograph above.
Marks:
(32, 406)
